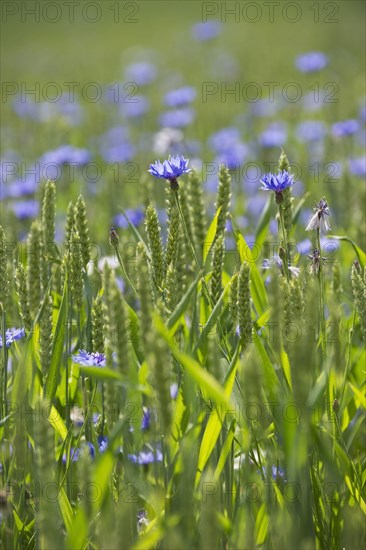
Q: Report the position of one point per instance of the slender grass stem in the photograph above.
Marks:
(4, 377)
(321, 296)
(285, 263)
(120, 261)
(176, 196)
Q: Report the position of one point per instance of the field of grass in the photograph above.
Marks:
(182, 347)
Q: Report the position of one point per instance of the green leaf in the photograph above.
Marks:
(78, 532)
(258, 291)
(23, 375)
(211, 321)
(183, 304)
(101, 373)
(263, 222)
(207, 383)
(225, 450)
(58, 424)
(57, 348)
(66, 510)
(214, 426)
(270, 377)
(261, 525)
(210, 236)
(361, 255)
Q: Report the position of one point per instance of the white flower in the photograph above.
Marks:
(319, 221)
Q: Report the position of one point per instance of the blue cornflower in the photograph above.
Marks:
(177, 118)
(276, 260)
(206, 30)
(75, 453)
(275, 135)
(277, 183)
(170, 169)
(345, 128)
(146, 419)
(357, 166)
(141, 73)
(223, 140)
(311, 62)
(135, 215)
(89, 359)
(135, 107)
(310, 130)
(179, 97)
(145, 458)
(25, 209)
(11, 335)
(174, 390)
(278, 473)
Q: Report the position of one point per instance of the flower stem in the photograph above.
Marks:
(123, 268)
(321, 296)
(285, 263)
(186, 230)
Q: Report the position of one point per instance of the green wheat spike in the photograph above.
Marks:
(153, 231)
(4, 277)
(172, 244)
(46, 338)
(217, 268)
(244, 306)
(21, 289)
(358, 280)
(34, 266)
(83, 229)
(197, 211)
(223, 199)
(97, 320)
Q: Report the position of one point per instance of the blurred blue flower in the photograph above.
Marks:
(174, 390)
(141, 73)
(276, 261)
(311, 62)
(256, 204)
(178, 118)
(145, 458)
(146, 419)
(265, 107)
(362, 113)
(310, 130)
(224, 139)
(278, 473)
(114, 145)
(357, 166)
(135, 107)
(11, 335)
(345, 128)
(206, 31)
(135, 215)
(179, 97)
(328, 245)
(25, 107)
(51, 161)
(275, 135)
(26, 185)
(277, 182)
(75, 453)
(25, 209)
(89, 359)
(170, 169)
(233, 157)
